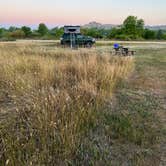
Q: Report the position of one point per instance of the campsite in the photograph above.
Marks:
(83, 83)
(86, 102)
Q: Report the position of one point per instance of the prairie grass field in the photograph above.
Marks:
(82, 107)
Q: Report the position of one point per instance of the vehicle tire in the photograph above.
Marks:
(89, 45)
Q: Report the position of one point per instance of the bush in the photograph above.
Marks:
(27, 31)
(149, 34)
(17, 34)
(122, 37)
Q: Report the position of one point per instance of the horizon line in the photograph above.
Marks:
(49, 25)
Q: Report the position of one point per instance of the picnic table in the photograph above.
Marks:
(124, 51)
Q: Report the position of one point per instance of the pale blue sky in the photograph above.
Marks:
(60, 12)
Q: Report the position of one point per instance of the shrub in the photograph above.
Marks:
(18, 34)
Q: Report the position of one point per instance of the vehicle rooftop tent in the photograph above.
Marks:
(72, 29)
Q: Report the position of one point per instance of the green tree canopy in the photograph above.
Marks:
(59, 32)
(27, 31)
(140, 27)
(12, 29)
(114, 32)
(149, 34)
(1, 32)
(93, 32)
(133, 26)
(129, 25)
(42, 29)
(56, 32)
(159, 34)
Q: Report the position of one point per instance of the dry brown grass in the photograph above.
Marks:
(50, 99)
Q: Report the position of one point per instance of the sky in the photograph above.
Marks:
(72, 12)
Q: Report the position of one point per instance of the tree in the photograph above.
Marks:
(56, 32)
(12, 29)
(164, 36)
(59, 32)
(42, 29)
(27, 31)
(149, 34)
(129, 25)
(140, 27)
(114, 32)
(1, 32)
(93, 32)
(53, 31)
(133, 26)
(159, 34)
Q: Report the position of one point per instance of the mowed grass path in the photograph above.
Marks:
(141, 100)
(133, 127)
(119, 124)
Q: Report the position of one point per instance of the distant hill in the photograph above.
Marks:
(99, 25)
(157, 27)
(110, 26)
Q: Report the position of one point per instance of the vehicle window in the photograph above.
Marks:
(66, 36)
(79, 36)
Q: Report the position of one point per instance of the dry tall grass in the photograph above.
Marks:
(49, 99)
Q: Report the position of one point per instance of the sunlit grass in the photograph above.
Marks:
(52, 99)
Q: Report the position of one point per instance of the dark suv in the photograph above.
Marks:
(77, 40)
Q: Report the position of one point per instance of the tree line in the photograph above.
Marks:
(26, 32)
(131, 29)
